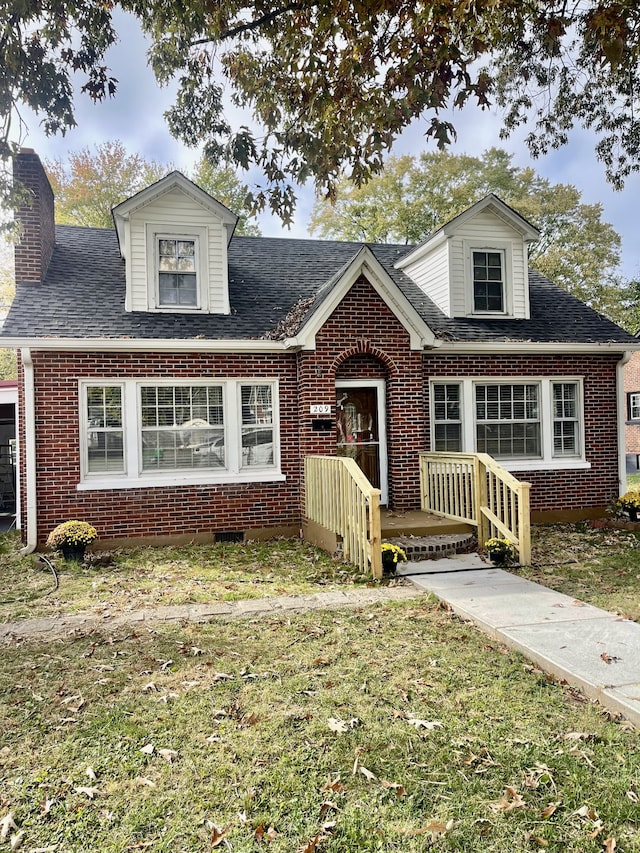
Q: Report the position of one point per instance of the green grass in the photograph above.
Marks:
(503, 760)
(148, 577)
(633, 480)
(599, 566)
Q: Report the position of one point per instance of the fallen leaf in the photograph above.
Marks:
(367, 773)
(424, 724)
(6, 825)
(509, 801)
(148, 749)
(631, 795)
(88, 792)
(168, 754)
(393, 786)
(142, 780)
(609, 845)
(218, 835)
(16, 840)
(609, 658)
(550, 809)
(327, 806)
(90, 773)
(335, 785)
(337, 725)
(311, 845)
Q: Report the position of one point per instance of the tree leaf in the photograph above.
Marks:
(6, 825)
(88, 792)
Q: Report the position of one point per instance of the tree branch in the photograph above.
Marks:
(253, 25)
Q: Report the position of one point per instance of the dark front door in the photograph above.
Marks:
(358, 423)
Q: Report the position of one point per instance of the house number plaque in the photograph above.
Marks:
(320, 409)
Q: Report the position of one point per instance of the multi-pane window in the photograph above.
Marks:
(257, 426)
(633, 406)
(182, 426)
(177, 280)
(138, 430)
(508, 420)
(488, 281)
(104, 429)
(565, 419)
(447, 416)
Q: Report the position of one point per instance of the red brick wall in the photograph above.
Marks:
(364, 339)
(157, 511)
(632, 385)
(361, 339)
(559, 490)
(33, 252)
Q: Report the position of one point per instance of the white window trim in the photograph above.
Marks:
(505, 248)
(200, 236)
(135, 478)
(547, 461)
(630, 406)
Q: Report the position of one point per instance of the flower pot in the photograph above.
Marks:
(389, 565)
(633, 513)
(73, 553)
(499, 559)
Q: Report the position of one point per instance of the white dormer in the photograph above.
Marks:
(476, 264)
(173, 237)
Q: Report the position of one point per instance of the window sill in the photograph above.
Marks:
(164, 481)
(545, 465)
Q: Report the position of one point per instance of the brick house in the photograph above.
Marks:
(632, 406)
(173, 377)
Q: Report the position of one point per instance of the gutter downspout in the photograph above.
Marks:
(622, 450)
(29, 452)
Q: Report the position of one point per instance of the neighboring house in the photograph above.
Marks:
(632, 406)
(9, 485)
(173, 377)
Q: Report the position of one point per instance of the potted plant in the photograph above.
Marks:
(391, 556)
(72, 539)
(501, 552)
(629, 503)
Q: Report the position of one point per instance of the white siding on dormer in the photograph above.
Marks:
(486, 231)
(176, 211)
(431, 273)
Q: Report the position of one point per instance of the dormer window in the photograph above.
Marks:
(177, 272)
(488, 281)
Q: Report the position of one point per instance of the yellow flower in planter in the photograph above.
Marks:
(500, 550)
(73, 533)
(392, 555)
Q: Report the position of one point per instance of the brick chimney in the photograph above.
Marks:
(37, 240)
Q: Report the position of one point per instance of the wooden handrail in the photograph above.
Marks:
(339, 497)
(474, 488)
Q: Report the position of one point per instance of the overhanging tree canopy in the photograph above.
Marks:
(416, 195)
(331, 84)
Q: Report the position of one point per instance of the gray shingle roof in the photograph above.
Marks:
(84, 293)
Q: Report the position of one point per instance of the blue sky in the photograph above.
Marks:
(135, 116)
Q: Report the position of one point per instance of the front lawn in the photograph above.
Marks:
(599, 566)
(148, 577)
(396, 728)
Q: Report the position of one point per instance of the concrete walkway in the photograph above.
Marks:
(589, 648)
(50, 627)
